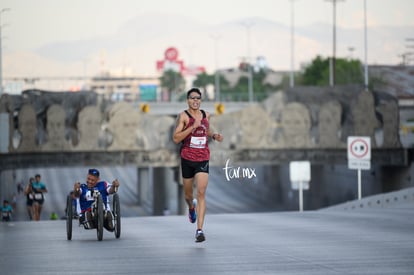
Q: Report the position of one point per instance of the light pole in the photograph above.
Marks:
(1, 60)
(409, 53)
(248, 25)
(217, 75)
(333, 76)
(365, 46)
(292, 44)
(351, 50)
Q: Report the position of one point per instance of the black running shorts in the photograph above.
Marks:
(190, 168)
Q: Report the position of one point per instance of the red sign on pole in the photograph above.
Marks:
(359, 153)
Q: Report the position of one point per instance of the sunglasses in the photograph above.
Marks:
(194, 97)
(93, 172)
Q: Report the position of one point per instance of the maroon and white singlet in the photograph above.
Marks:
(195, 145)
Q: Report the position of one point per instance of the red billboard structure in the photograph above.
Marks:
(171, 62)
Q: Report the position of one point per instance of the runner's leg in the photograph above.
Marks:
(35, 211)
(188, 191)
(202, 182)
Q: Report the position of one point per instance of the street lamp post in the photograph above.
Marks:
(217, 75)
(351, 50)
(365, 46)
(292, 44)
(248, 25)
(333, 69)
(407, 56)
(1, 60)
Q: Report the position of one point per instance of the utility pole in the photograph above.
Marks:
(217, 74)
(333, 74)
(248, 25)
(1, 54)
(292, 44)
(365, 46)
(407, 55)
(351, 50)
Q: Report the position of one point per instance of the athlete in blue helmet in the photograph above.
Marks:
(84, 192)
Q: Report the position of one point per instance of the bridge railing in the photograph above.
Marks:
(169, 158)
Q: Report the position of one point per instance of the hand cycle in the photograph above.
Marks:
(98, 213)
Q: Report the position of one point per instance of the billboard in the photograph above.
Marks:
(148, 92)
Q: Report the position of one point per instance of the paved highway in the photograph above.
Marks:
(363, 241)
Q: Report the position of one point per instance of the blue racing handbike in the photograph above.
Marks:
(98, 214)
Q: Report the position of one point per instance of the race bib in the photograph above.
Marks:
(38, 196)
(89, 196)
(198, 142)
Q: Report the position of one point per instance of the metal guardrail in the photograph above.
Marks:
(404, 197)
(164, 158)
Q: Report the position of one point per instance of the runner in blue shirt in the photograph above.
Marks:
(6, 211)
(38, 189)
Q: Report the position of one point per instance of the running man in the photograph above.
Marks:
(192, 131)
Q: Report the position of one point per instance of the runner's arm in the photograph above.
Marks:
(114, 187)
(212, 134)
(180, 132)
(77, 190)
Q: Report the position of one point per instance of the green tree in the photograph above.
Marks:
(316, 72)
(349, 72)
(346, 72)
(224, 86)
(172, 81)
(260, 89)
(203, 80)
(240, 91)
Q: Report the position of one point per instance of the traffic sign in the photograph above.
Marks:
(359, 153)
(359, 148)
(300, 176)
(299, 171)
(359, 157)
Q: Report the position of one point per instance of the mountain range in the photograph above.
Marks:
(138, 44)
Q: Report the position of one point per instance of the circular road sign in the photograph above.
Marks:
(359, 148)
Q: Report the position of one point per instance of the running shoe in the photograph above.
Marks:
(200, 236)
(192, 215)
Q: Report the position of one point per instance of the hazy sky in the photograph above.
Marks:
(33, 23)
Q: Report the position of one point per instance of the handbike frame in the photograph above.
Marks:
(98, 213)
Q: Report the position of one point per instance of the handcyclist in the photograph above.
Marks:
(84, 192)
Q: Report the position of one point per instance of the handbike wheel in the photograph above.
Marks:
(69, 217)
(117, 215)
(99, 218)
